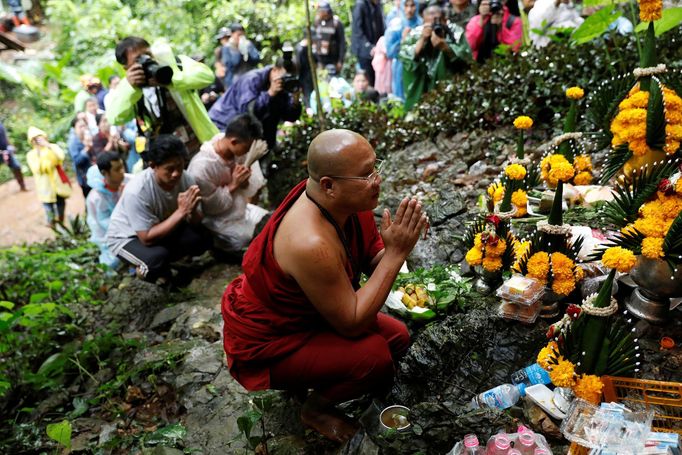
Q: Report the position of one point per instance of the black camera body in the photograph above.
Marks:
(152, 70)
(495, 6)
(290, 81)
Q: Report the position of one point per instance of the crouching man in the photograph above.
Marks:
(228, 174)
(157, 220)
(297, 319)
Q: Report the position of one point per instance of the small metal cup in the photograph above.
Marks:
(395, 418)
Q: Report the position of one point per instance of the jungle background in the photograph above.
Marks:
(94, 363)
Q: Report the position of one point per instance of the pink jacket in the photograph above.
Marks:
(506, 35)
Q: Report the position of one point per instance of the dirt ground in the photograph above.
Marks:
(22, 218)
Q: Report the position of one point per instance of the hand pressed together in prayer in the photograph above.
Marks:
(188, 200)
(400, 235)
(240, 177)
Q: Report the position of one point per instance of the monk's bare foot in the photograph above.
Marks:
(327, 420)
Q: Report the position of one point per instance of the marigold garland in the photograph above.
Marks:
(575, 93)
(629, 125)
(515, 171)
(523, 122)
(619, 258)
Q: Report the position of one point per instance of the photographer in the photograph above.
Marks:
(492, 26)
(272, 94)
(160, 90)
(432, 52)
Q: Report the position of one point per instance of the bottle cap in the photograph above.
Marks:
(527, 438)
(470, 440)
(541, 451)
(514, 452)
(667, 343)
(502, 441)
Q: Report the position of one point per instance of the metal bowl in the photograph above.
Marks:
(395, 418)
(655, 276)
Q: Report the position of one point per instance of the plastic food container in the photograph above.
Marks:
(522, 290)
(518, 312)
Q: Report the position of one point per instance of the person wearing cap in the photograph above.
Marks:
(52, 186)
(83, 95)
(329, 39)
(96, 89)
(222, 37)
(239, 55)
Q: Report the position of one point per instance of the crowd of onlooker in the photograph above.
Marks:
(190, 143)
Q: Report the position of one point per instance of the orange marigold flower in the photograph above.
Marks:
(492, 264)
(515, 171)
(562, 374)
(496, 250)
(652, 247)
(538, 266)
(523, 122)
(561, 171)
(589, 387)
(582, 163)
(575, 93)
(583, 178)
(474, 256)
(563, 287)
(619, 258)
(650, 10)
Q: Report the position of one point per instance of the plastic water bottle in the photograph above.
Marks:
(513, 452)
(541, 451)
(471, 446)
(502, 397)
(531, 375)
(526, 443)
(498, 445)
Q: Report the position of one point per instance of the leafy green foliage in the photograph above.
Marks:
(595, 25)
(262, 404)
(655, 119)
(615, 162)
(60, 432)
(447, 287)
(672, 245)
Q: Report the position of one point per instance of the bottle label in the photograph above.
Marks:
(531, 375)
(494, 399)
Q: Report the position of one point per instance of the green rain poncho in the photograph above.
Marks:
(421, 73)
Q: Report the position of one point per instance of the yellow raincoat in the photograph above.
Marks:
(43, 162)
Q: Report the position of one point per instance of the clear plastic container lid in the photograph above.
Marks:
(521, 289)
(516, 312)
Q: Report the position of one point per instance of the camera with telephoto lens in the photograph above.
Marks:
(438, 28)
(290, 81)
(495, 6)
(152, 70)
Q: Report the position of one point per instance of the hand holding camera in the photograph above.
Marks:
(147, 72)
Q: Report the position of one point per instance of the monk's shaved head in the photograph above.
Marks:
(331, 152)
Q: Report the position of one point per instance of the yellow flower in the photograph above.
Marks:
(579, 274)
(496, 191)
(474, 256)
(561, 171)
(583, 178)
(492, 264)
(678, 186)
(538, 266)
(650, 10)
(619, 258)
(589, 387)
(575, 93)
(652, 247)
(562, 266)
(650, 227)
(546, 354)
(477, 241)
(563, 286)
(519, 199)
(520, 248)
(515, 171)
(523, 122)
(582, 163)
(563, 373)
(496, 250)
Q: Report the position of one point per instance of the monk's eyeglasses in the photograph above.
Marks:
(371, 178)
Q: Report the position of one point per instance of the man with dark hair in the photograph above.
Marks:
(173, 108)
(368, 27)
(228, 174)
(329, 39)
(238, 55)
(155, 221)
(107, 180)
(432, 52)
(7, 151)
(261, 93)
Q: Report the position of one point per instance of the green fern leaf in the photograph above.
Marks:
(603, 106)
(614, 163)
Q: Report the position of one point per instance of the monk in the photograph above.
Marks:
(297, 319)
